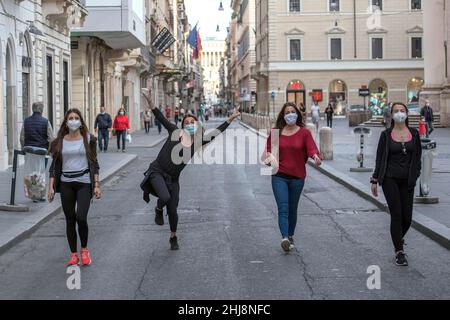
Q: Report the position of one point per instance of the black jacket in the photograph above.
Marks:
(103, 121)
(427, 113)
(383, 156)
(35, 128)
(56, 167)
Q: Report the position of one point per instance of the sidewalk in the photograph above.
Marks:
(15, 226)
(433, 219)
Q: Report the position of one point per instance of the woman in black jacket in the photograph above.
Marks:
(74, 173)
(161, 178)
(397, 169)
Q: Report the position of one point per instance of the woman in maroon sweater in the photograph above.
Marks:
(288, 148)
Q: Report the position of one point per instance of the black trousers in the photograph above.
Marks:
(400, 202)
(168, 193)
(76, 200)
(330, 121)
(147, 126)
(121, 135)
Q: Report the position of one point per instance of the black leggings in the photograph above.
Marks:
(168, 193)
(76, 200)
(400, 201)
(123, 134)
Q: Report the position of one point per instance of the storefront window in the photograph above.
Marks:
(338, 96)
(414, 88)
(378, 96)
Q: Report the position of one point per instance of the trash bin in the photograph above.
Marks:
(428, 153)
(34, 178)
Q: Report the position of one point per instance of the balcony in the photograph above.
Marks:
(64, 15)
(119, 23)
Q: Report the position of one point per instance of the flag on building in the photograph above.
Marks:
(195, 42)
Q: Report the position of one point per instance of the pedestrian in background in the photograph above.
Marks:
(121, 127)
(427, 113)
(329, 112)
(288, 158)
(162, 177)
(157, 123)
(387, 115)
(315, 115)
(398, 166)
(302, 109)
(147, 120)
(102, 126)
(37, 130)
(168, 112)
(74, 173)
(176, 115)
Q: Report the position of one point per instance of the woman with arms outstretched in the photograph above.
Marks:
(162, 177)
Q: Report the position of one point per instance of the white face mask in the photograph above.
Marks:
(74, 125)
(400, 117)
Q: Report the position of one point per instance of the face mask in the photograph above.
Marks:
(74, 125)
(191, 129)
(400, 117)
(122, 113)
(291, 118)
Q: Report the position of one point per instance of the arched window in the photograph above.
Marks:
(295, 92)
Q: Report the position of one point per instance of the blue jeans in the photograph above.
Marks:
(103, 136)
(287, 194)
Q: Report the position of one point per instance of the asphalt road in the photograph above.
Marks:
(229, 245)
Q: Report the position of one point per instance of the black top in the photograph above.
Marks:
(383, 153)
(164, 163)
(399, 159)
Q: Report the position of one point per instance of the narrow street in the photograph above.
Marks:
(229, 244)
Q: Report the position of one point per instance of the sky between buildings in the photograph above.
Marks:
(207, 14)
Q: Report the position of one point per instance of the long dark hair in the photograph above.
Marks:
(56, 145)
(281, 123)
(392, 114)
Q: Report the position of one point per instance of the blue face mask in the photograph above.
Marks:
(190, 129)
(291, 118)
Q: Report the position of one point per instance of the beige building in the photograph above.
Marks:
(327, 50)
(437, 57)
(35, 63)
(242, 52)
(212, 54)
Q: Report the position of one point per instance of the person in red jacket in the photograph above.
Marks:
(121, 126)
(289, 146)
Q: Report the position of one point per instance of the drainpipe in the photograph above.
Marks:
(354, 28)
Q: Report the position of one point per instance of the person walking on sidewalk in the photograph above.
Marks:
(36, 130)
(329, 112)
(315, 115)
(292, 145)
(176, 116)
(157, 123)
(162, 177)
(102, 126)
(74, 173)
(121, 127)
(398, 166)
(387, 115)
(427, 113)
(147, 120)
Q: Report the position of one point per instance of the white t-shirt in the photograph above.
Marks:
(74, 160)
(315, 111)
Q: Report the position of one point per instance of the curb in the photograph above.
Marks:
(53, 209)
(434, 230)
(154, 144)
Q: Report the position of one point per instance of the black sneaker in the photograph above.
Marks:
(400, 259)
(159, 217)
(291, 242)
(174, 243)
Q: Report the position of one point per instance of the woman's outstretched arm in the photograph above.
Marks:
(212, 135)
(158, 115)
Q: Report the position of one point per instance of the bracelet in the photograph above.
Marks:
(373, 180)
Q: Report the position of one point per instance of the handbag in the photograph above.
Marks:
(128, 138)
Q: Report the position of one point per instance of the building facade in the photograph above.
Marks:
(243, 57)
(212, 55)
(437, 57)
(35, 60)
(327, 50)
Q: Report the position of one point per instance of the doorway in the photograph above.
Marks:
(296, 93)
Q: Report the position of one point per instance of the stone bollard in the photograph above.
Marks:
(326, 143)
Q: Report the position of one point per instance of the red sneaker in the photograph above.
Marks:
(73, 261)
(85, 257)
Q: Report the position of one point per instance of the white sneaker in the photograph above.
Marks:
(285, 244)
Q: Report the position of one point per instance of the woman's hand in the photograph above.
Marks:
(51, 194)
(374, 189)
(271, 160)
(235, 114)
(317, 160)
(97, 193)
(147, 95)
